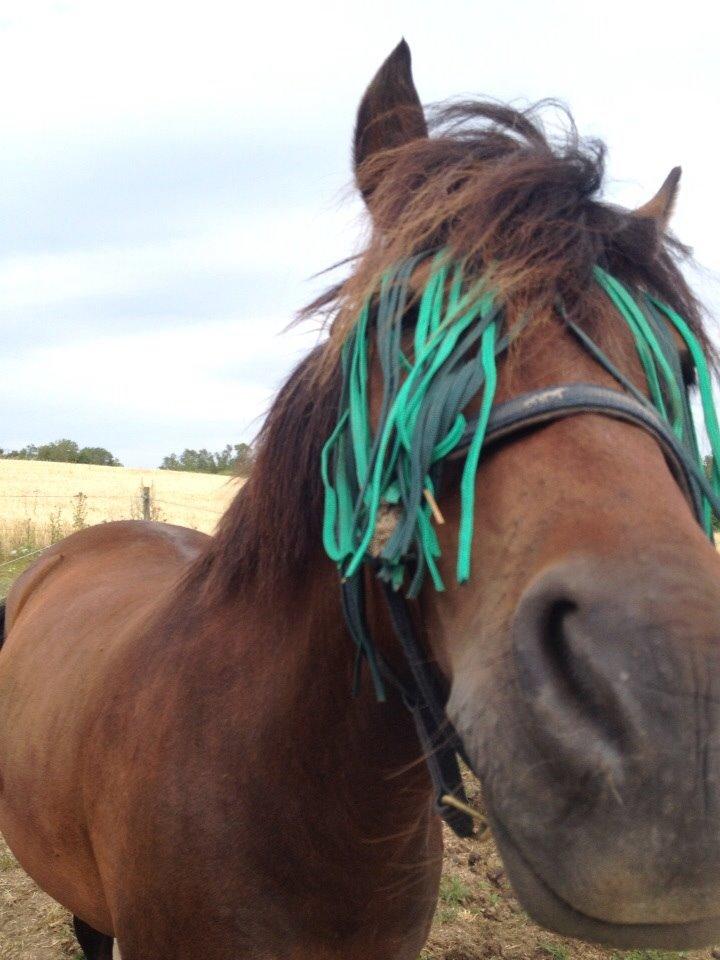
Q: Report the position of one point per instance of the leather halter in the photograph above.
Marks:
(422, 693)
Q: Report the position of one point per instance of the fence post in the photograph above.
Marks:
(146, 503)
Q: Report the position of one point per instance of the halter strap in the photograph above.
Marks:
(547, 404)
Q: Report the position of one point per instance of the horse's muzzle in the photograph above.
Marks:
(598, 745)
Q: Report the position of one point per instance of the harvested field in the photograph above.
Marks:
(40, 503)
(40, 492)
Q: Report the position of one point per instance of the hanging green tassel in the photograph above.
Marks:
(394, 469)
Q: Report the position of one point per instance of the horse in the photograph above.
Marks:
(183, 765)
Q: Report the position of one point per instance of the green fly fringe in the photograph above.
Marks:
(429, 376)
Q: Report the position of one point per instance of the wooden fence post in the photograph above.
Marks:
(146, 503)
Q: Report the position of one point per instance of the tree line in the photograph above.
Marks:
(63, 451)
(234, 459)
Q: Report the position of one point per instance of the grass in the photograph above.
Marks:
(554, 951)
(648, 955)
(454, 892)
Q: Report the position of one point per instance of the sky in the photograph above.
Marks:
(174, 175)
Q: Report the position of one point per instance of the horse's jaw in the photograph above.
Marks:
(550, 910)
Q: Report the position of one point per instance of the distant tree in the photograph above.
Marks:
(224, 459)
(63, 451)
(59, 451)
(236, 459)
(27, 453)
(171, 463)
(201, 461)
(193, 461)
(99, 456)
(242, 462)
(232, 459)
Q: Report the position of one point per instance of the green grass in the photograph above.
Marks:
(10, 571)
(554, 951)
(454, 892)
(446, 914)
(21, 541)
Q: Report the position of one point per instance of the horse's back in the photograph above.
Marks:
(119, 556)
(68, 618)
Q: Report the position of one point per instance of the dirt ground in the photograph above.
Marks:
(477, 918)
(32, 926)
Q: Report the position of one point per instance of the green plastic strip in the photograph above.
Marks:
(430, 375)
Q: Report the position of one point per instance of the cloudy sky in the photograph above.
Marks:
(172, 174)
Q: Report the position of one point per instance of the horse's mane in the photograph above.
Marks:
(273, 522)
(496, 191)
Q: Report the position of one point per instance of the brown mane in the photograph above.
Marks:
(494, 189)
(273, 522)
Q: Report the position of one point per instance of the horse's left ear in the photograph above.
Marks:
(660, 208)
(390, 114)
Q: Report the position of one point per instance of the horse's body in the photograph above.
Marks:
(133, 565)
(181, 762)
(259, 842)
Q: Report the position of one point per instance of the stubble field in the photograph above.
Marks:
(41, 503)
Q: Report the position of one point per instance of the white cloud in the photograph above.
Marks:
(277, 240)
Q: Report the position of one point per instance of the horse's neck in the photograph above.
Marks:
(331, 801)
(349, 764)
(365, 754)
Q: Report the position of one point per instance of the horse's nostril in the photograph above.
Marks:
(554, 641)
(568, 671)
(542, 647)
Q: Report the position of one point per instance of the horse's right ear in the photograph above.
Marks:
(660, 208)
(390, 114)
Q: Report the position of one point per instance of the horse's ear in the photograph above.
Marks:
(660, 208)
(390, 114)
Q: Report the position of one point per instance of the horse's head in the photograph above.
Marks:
(582, 654)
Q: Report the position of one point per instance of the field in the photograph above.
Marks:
(41, 503)
(477, 916)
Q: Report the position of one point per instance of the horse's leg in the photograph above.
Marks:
(95, 946)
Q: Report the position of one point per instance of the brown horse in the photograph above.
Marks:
(181, 762)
